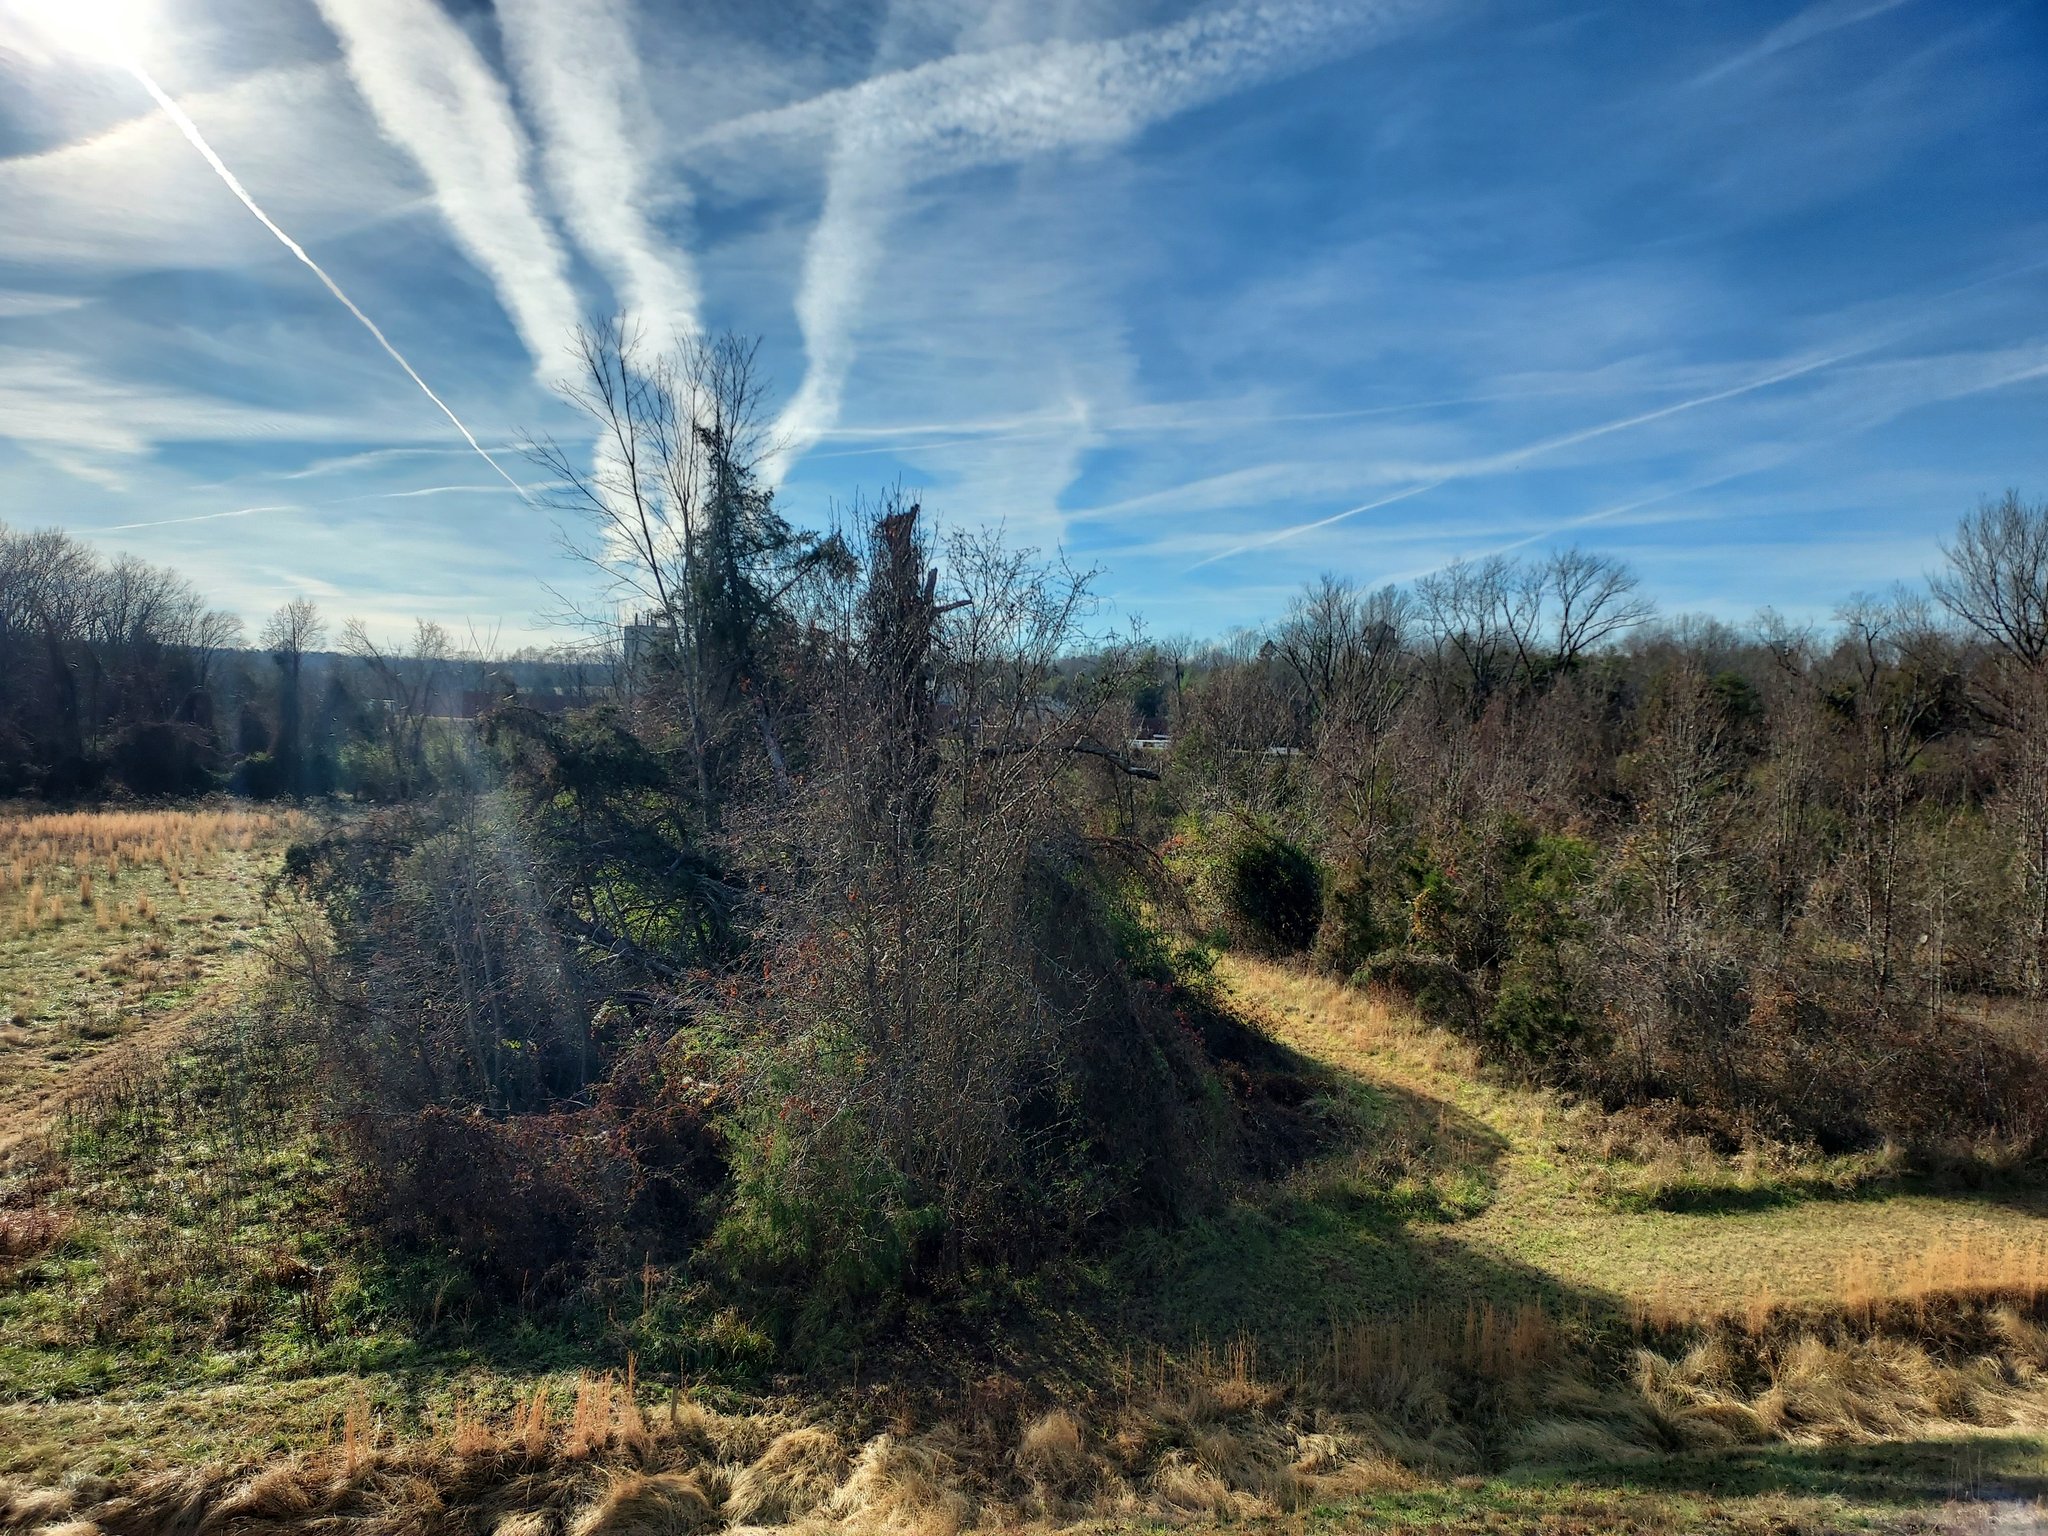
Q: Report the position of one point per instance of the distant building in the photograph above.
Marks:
(643, 635)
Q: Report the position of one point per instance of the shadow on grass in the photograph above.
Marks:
(2018, 1190)
(1368, 1228)
(1902, 1472)
(1731, 1200)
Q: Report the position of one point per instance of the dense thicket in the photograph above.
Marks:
(819, 952)
(1780, 881)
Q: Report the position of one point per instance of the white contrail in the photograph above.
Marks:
(298, 506)
(1323, 522)
(197, 139)
(1815, 21)
(1495, 463)
(576, 64)
(436, 97)
(203, 517)
(425, 490)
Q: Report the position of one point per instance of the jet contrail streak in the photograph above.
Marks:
(1495, 463)
(203, 517)
(192, 134)
(1324, 522)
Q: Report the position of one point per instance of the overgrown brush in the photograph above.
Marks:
(880, 1037)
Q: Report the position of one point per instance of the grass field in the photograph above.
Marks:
(114, 925)
(192, 1301)
(1539, 1197)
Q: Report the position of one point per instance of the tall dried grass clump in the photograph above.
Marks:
(1481, 1339)
(1811, 1389)
(915, 1486)
(796, 1474)
(1951, 1336)
(651, 1504)
(39, 849)
(1053, 1457)
(606, 1416)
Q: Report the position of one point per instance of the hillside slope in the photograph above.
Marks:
(1435, 1326)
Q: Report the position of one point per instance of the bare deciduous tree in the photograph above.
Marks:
(1997, 578)
(289, 633)
(685, 531)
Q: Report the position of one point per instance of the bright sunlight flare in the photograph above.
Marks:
(106, 31)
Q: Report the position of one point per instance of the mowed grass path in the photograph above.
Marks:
(115, 926)
(1550, 1217)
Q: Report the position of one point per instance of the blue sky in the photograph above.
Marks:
(1215, 296)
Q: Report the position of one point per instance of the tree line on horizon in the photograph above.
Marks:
(116, 677)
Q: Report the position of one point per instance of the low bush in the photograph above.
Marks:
(1437, 990)
(259, 776)
(1251, 885)
(1350, 933)
(1532, 1023)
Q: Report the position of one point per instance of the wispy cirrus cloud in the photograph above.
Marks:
(1845, 401)
(67, 403)
(895, 130)
(434, 95)
(1011, 266)
(1814, 21)
(1493, 464)
(76, 208)
(14, 305)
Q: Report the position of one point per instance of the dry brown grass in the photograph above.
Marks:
(42, 850)
(1966, 1269)
(643, 1504)
(798, 1472)
(1193, 1441)
(2011, 1270)
(1817, 1381)
(1421, 1398)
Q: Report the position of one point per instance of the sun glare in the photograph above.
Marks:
(108, 31)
